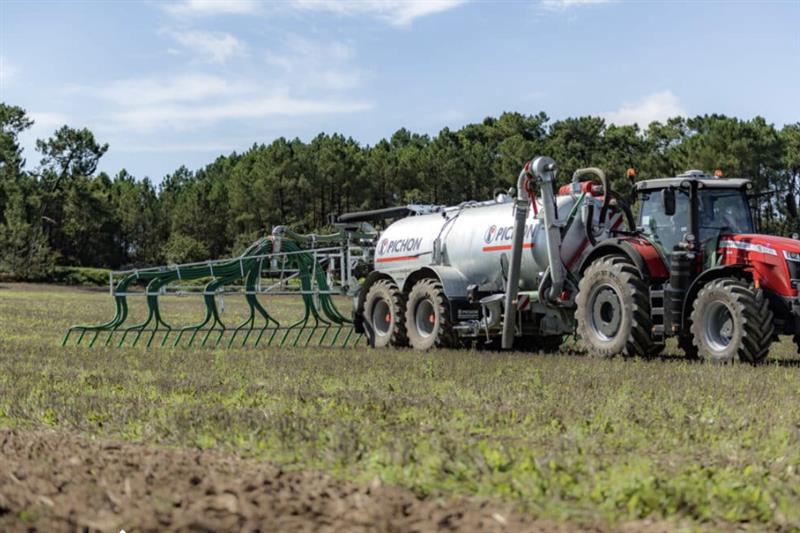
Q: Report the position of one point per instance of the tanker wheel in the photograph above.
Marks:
(613, 309)
(731, 319)
(384, 309)
(428, 316)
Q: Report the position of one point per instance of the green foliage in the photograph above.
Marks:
(91, 219)
(24, 252)
(566, 437)
(184, 249)
(90, 277)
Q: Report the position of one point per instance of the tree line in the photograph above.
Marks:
(61, 211)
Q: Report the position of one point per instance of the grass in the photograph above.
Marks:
(566, 437)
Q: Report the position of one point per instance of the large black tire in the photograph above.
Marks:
(428, 321)
(384, 310)
(613, 309)
(731, 319)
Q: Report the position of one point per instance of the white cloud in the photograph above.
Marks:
(561, 5)
(181, 88)
(212, 7)
(657, 106)
(254, 107)
(396, 12)
(216, 47)
(189, 100)
(309, 64)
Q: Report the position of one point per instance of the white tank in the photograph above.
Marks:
(473, 239)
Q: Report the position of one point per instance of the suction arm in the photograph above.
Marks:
(542, 169)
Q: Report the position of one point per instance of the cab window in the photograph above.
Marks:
(663, 230)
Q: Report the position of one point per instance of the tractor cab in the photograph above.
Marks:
(692, 211)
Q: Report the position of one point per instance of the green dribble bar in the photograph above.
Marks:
(320, 323)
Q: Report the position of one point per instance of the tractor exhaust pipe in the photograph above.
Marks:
(542, 168)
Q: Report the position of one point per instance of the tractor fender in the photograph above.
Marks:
(617, 247)
(726, 271)
(453, 282)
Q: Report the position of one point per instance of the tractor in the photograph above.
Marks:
(693, 268)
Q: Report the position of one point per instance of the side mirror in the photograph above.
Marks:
(668, 198)
(791, 205)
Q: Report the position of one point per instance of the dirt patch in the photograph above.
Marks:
(56, 481)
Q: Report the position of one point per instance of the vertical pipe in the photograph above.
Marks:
(520, 216)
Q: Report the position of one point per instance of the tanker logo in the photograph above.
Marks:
(504, 233)
(411, 244)
(490, 234)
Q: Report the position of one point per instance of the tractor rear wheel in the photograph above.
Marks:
(384, 310)
(614, 309)
(731, 319)
(428, 316)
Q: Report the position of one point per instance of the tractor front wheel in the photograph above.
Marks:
(384, 310)
(614, 309)
(428, 316)
(731, 319)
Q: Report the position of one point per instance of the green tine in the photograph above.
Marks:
(138, 335)
(246, 336)
(272, 337)
(311, 332)
(336, 336)
(221, 334)
(299, 333)
(324, 333)
(349, 334)
(66, 338)
(164, 340)
(94, 338)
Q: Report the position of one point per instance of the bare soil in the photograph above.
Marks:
(59, 481)
(55, 481)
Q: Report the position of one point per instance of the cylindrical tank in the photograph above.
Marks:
(473, 239)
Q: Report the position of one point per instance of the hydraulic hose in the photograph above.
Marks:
(512, 287)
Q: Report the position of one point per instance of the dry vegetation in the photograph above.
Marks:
(567, 438)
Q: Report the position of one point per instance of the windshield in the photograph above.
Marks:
(721, 211)
(724, 211)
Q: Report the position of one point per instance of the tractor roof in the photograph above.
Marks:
(704, 180)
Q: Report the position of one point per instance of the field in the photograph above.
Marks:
(310, 438)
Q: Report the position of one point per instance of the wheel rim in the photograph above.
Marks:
(605, 308)
(382, 317)
(425, 318)
(718, 330)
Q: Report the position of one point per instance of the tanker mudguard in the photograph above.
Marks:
(453, 282)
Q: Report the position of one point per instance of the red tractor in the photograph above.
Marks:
(693, 267)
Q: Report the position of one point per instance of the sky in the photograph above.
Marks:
(167, 83)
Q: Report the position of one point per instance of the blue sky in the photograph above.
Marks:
(180, 82)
